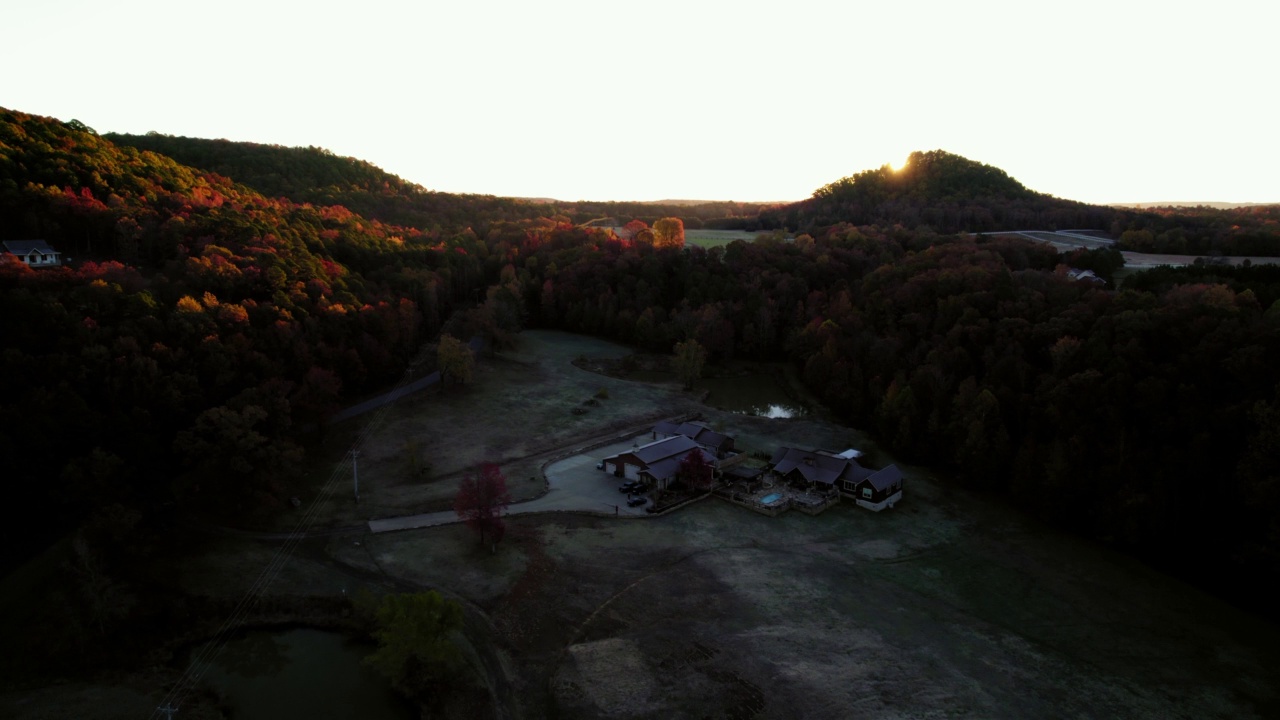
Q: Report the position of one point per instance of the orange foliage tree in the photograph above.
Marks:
(668, 232)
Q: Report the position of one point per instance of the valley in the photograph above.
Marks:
(247, 389)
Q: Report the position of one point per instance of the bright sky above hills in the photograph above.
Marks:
(1110, 101)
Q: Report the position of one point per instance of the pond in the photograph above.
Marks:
(300, 672)
(757, 394)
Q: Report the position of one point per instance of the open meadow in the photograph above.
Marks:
(945, 606)
(716, 238)
(951, 604)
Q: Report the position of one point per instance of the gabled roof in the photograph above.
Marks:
(668, 467)
(23, 247)
(817, 465)
(886, 478)
(666, 427)
(695, 430)
(711, 438)
(665, 448)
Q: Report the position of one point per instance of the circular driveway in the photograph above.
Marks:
(574, 484)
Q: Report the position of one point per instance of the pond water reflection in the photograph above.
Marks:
(757, 394)
(304, 673)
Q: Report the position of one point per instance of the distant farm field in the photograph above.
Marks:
(716, 238)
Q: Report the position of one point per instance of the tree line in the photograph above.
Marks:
(201, 327)
(1144, 417)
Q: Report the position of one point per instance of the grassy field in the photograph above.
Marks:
(717, 238)
(520, 406)
(949, 605)
(946, 606)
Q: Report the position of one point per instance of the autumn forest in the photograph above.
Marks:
(225, 298)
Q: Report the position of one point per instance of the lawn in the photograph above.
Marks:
(521, 408)
(946, 606)
(717, 238)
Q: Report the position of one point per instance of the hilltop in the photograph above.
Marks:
(946, 192)
(317, 176)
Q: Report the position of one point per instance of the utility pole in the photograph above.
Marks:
(168, 710)
(355, 474)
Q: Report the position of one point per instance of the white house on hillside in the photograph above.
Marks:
(34, 253)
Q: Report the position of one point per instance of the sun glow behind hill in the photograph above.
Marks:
(542, 100)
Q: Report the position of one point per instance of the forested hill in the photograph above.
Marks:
(273, 170)
(198, 326)
(315, 175)
(947, 192)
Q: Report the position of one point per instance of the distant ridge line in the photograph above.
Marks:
(690, 203)
(1207, 203)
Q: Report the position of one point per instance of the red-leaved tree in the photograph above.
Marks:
(695, 471)
(632, 229)
(481, 501)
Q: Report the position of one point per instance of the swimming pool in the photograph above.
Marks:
(771, 498)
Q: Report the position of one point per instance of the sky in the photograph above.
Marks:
(1116, 101)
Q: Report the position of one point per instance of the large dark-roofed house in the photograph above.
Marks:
(719, 443)
(817, 467)
(871, 489)
(34, 253)
(657, 462)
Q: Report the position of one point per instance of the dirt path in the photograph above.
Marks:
(573, 484)
(422, 383)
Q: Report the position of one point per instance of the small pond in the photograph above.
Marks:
(302, 673)
(757, 394)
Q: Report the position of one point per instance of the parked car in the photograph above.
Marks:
(630, 486)
(600, 465)
(635, 500)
